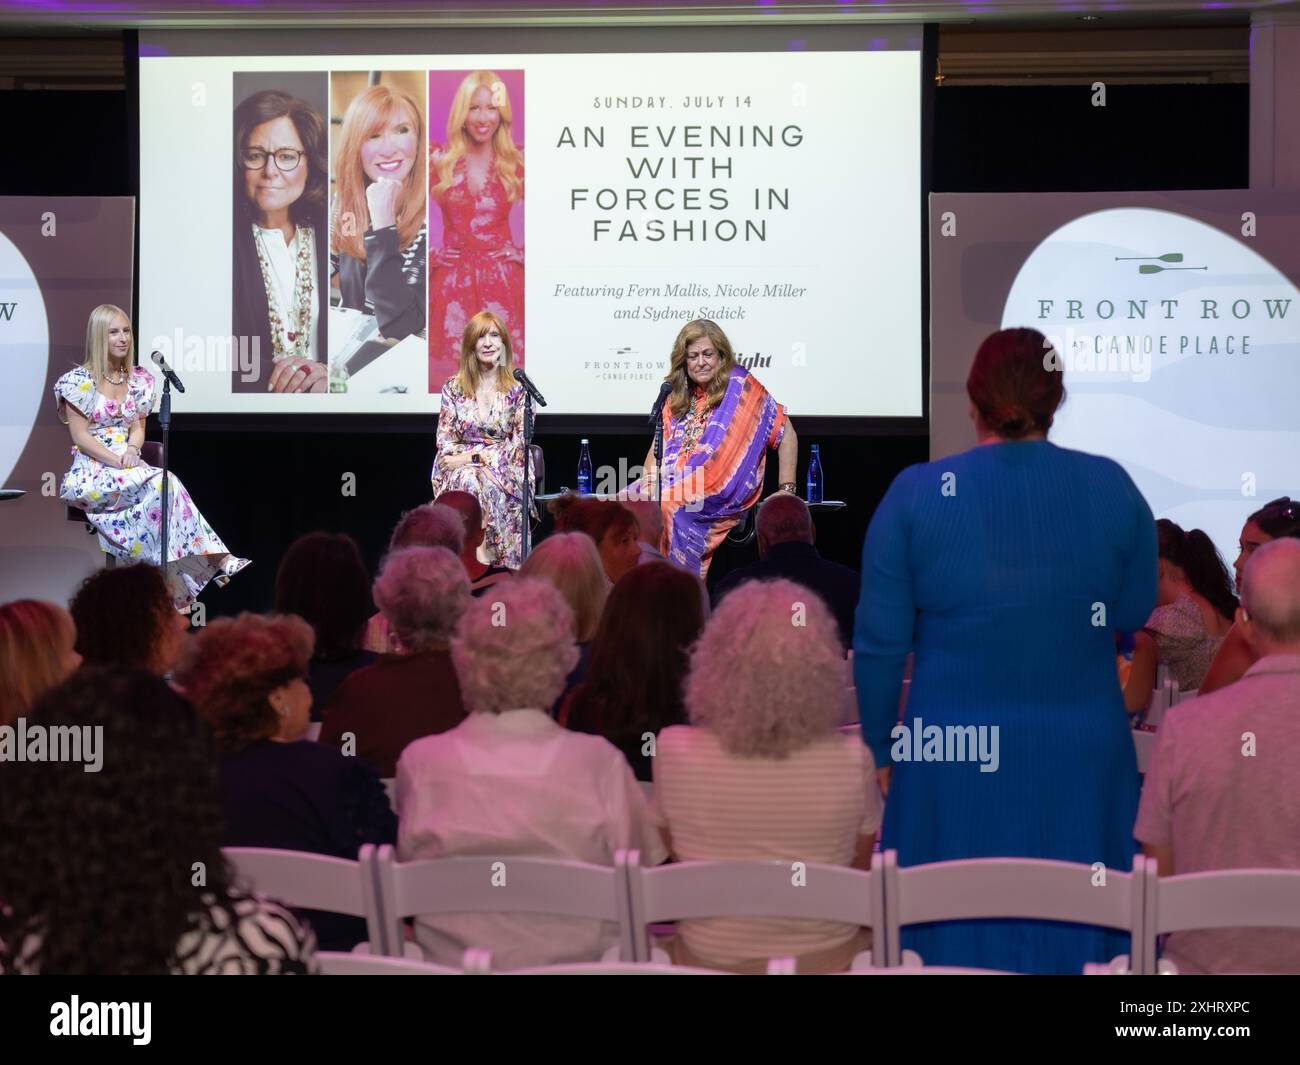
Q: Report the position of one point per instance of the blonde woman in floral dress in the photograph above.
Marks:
(481, 438)
(104, 403)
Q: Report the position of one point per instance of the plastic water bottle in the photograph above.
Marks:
(814, 493)
(584, 470)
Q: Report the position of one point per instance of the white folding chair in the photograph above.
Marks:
(315, 882)
(390, 789)
(1144, 742)
(927, 970)
(615, 968)
(647, 789)
(1030, 888)
(1224, 898)
(755, 889)
(1182, 697)
(502, 885)
(334, 963)
(1161, 700)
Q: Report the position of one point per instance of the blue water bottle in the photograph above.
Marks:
(814, 494)
(584, 471)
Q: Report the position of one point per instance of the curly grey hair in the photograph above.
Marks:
(422, 593)
(767, 674)
(514, 648)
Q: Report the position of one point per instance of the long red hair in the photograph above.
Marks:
(368, 112)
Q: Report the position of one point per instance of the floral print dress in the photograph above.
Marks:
(125, 505)
(498, 483)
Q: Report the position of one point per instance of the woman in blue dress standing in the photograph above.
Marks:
(1008, 569)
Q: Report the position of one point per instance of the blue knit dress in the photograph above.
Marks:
(1008, 569)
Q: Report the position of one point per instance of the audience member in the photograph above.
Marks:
(570, 562)
(126, 619)
(100, 870)
(482, 573)
(611, 525)
(762, 772)
(638, 662)
(785, 549)
(1274, 520)
(510, 782)
(650, 528)
(1194, 610)
(1221, 791)
(413, 692)
(247, 676)
(430, 525)
(1008, 569)
(37, 651)
(323, 580)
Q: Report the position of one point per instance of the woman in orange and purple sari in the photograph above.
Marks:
(719, 423)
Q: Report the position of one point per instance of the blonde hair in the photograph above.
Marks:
(34, 636)
(506, 157)
(96, 363)
(467, 377)
(680, 400)
(571, 563)
(366, 113)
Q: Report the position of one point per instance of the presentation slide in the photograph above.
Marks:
(1174, 318)
(317, 230)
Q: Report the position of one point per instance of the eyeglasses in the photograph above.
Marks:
(286, 159)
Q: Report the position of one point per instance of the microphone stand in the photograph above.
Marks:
(659, 457)
(165, 424)
(525, 539)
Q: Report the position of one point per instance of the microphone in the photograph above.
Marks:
(522, 378)
(665, 390)
(167, 371)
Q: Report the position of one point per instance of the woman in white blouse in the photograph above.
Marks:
(280, 180)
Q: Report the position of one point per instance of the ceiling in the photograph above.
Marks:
(68, 44)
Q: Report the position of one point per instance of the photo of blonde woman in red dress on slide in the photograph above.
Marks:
(476, 180)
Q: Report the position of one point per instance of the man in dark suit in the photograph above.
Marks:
(785, 549)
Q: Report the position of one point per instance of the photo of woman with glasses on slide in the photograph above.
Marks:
(279, 243)
(378, 223)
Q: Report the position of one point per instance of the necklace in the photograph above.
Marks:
(289, 325)
(119, 380)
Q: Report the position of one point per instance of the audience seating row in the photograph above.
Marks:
(886, 899)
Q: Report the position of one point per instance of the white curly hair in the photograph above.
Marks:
(767, 674)
(422, 593)
(514, 648)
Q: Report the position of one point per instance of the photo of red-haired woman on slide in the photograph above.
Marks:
(477, 180)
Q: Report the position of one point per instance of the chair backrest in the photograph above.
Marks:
(753, 889)
(1182, 697)
(1224, 898)
(315, 882)
(539, 466)
(502, 885)
(616, 968)
(1144, 742)
(334, 963)
(151, 454)
(1031, 888)
(1162, 698)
